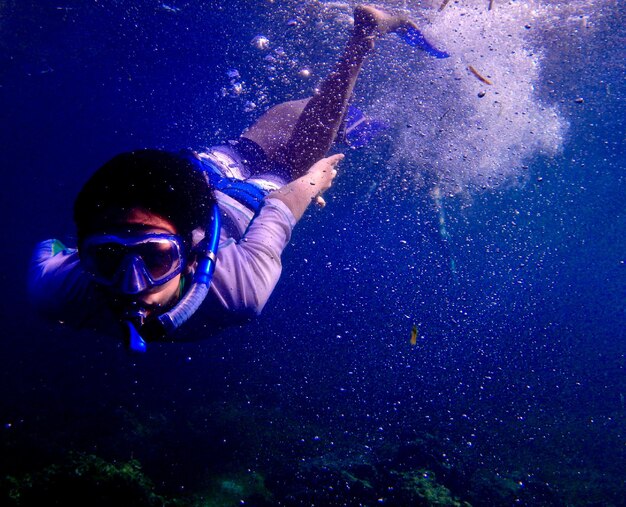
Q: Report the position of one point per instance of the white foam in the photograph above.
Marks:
(443, 132)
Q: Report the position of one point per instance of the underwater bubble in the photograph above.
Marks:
(261, 42)
(237, 88)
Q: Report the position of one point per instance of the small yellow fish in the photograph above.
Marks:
(414, 335)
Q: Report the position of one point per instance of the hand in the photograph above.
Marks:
(321, 176)
(301, 192)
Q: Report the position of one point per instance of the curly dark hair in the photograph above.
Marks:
(161, 182)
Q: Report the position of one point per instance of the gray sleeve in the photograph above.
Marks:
(248, 270)
(58, 287)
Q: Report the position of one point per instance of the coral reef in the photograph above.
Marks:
(88, 480)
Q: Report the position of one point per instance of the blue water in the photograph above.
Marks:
(514, 392)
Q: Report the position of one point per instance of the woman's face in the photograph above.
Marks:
(141, 221)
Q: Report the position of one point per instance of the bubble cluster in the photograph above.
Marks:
(475, 120)
(235, 85)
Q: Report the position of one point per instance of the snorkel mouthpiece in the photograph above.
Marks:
(135, 342)
(133, 319)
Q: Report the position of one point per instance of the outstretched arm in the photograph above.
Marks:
(249, 269)
(298, 194)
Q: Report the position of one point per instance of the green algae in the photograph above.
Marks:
(422, 487)
(86, 479)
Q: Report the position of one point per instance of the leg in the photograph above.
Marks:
(317, 126)
(296, 134)
(273, 130)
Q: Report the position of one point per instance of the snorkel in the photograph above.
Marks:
(140, 330)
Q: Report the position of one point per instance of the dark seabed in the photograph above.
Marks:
(495, 225)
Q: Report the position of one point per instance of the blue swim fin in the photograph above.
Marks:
(358, 130)
(415, 38)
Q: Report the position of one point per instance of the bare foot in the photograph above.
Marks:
(372, 23)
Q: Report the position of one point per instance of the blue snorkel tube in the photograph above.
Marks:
(193, 298)
(165, 324)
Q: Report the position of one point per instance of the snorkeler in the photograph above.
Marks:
(162, 234)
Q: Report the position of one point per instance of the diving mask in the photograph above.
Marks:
(133, 263)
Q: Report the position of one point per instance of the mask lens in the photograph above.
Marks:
(160, 257)
(104, 259)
